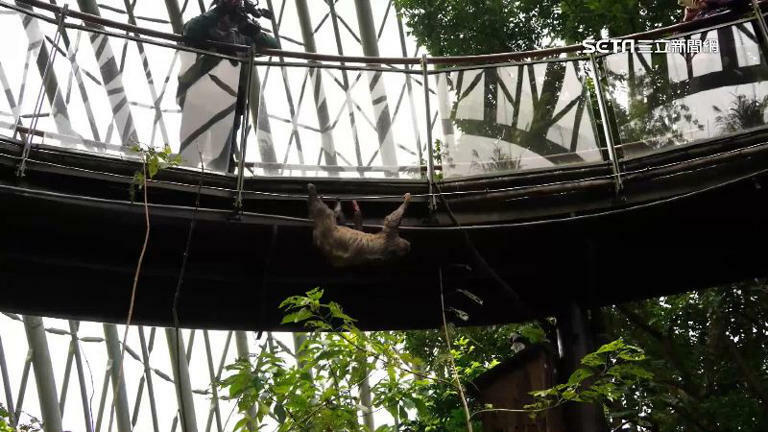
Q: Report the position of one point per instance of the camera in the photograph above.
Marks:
(256, 12)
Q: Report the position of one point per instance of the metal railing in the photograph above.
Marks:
(489, 114)
(148, 383)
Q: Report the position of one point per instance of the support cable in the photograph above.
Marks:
(177, 293)
(478, 257)
(454, 370)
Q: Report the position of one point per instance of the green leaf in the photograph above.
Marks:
(301, 315)
(612, 347)
(579, 376)
(241, 425)
(533, 333)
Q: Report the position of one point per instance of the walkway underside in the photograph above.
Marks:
(686, 219)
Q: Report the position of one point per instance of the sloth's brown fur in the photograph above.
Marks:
(344, 246)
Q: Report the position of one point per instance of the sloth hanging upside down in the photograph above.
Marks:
(344, 246)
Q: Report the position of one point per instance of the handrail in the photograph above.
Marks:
(468, 59)
(105, 26)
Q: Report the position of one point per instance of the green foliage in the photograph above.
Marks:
(583, 19)
(5, 420)
(438, 153)
(744, 113)
(155, 161)
(499, 161)
(456, 27)
(461, 27)
(317, 387)
(707, 353)
(653, 113)
(606, 375)
(702, 368)
(5, 423)
(320, 391)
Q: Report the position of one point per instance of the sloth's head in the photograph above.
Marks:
(400, 247)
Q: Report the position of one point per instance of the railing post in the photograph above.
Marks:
(41, 94)
(428, 125)
(46, 383)
(606, 126)
(244, 131)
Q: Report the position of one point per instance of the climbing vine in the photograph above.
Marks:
(153, 161)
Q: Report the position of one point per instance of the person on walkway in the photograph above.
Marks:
(695, 9)
(230, 22)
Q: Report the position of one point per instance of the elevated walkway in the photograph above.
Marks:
(566, 201)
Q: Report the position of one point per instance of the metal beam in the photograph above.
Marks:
(119, 395)
(214, 410)
(409, 86)
(73, 329)
(111, 77)
(370, 44)
(262, 128)
(150, 79)
(174, 13)
(51, 84)
(181, 378)
(145, 351)
(46, 383)
(345, 82)
(6, 383)
(288, 96)
(321, 104)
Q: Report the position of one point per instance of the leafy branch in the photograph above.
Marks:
(605, 376)
(154, 161)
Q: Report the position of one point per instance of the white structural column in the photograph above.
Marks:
(119, 395)
(316, 77)
(376, 85)
(37, 49)
(112, 77)
(181, 378)
(46, 383)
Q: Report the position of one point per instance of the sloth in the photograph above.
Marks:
(357, 215)
(344, 246)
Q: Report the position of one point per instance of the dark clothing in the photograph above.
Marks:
(222, 25)
(711, 7)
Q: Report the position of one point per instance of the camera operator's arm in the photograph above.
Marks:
(252, 29)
